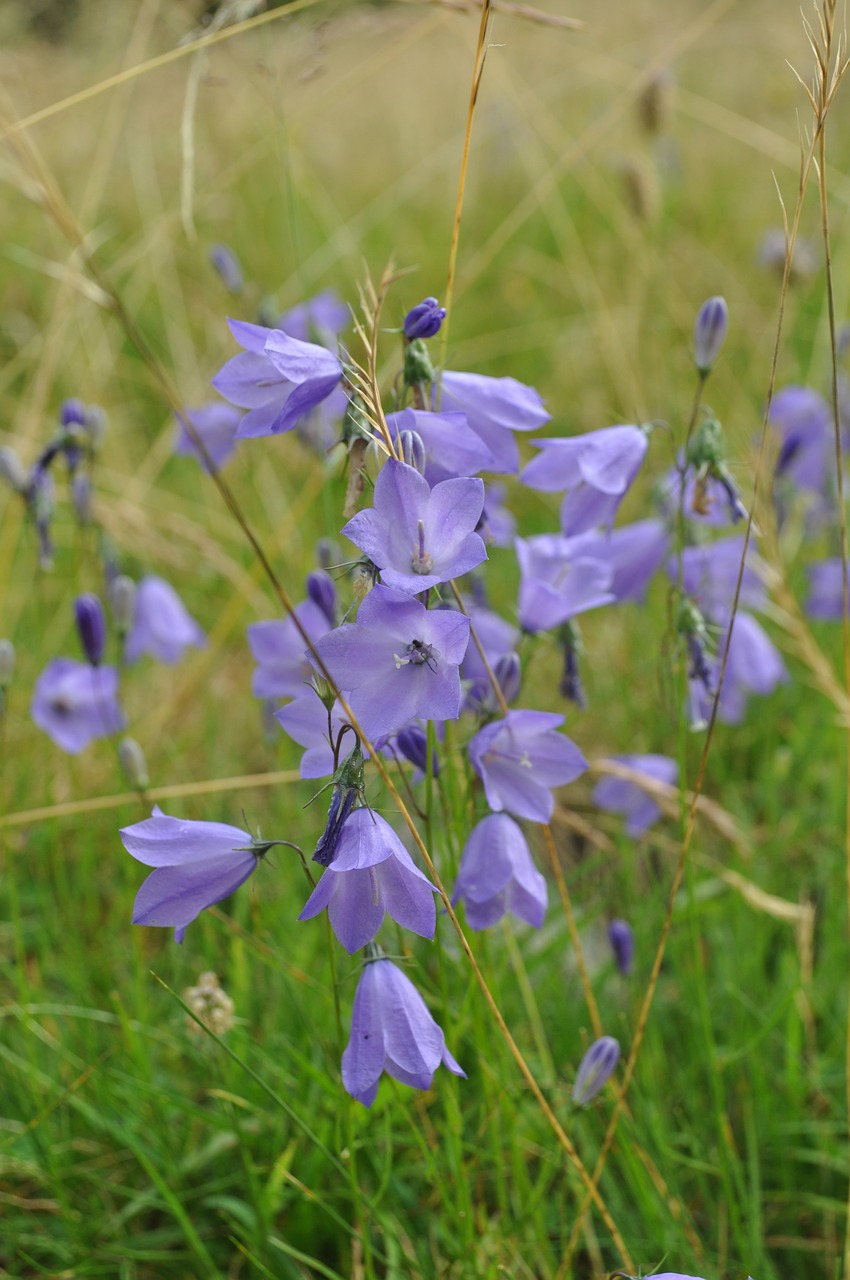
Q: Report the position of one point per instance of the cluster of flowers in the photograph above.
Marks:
(419, 653)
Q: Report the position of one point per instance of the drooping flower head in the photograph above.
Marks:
(371, 875)
(392, 1031)
(497, 875)
(452, 448)
(495, 408)
(595, 471)
(399, 661)
(560, 578)
(521, 758)
(197, 864)
(419, 536)
(162, 625)
(74, 703)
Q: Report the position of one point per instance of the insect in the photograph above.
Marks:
(423, 653)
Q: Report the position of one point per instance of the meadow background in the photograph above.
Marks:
(324, 143)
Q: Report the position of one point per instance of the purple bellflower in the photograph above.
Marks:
(622, 943)
(595, 1069)
(634, 553)
(498, 639)
(452, 448)
(803, 421)
(754, 666)
(617, 795)
(283, 668)
(196, 864)
(306, 721)
(521, 758)
(74, 703)
(495, 408)
(162, 625)
(710, 574)
(596, 470)
(392, 1031)
(318, 319)
(278, 379)
(419, 536)
(424, 320)
(371, 875)
(497, 875)
(399, 661)
(216, 425)
(560, 578)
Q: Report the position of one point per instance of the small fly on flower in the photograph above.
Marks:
(423, 653)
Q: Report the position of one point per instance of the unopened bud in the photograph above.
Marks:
(413, 744)
(424, 320)
(81, 496)
(226, 263)
(597, 1067)
(122, 599)
(72, 412)
(91, 625)
(709, 333)
(321, 589)
(133, 762)
(508, 672)
(622, 944)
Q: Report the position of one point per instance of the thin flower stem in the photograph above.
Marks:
(56, 206)
(566, 903)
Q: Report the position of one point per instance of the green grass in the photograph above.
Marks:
(131, 1147)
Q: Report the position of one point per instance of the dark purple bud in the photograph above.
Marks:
(322, 591)
(508, 672)
(227, 265)
(411, 450)
(571, 686)
(413, 745)
(595, 1070)
(710, 333)
(91, 624)
(72, 412)
(424, 320)
(622, 944)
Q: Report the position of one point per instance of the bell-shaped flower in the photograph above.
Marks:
(215, 424)
(710, 575)
(419, 536)
(392, 1031)
(196, 864)
(162, 625)
(452, 448)
(319, 319)
(497, 875)
(634, 552)
(802, 419)
(521, 758)
(283, 667)
(307, 722)
(371, 875)
(560, 578)
(277, 378)
(495, 408)
(619, 795)
(595, 470)
(74, 703)
(398, 662)
(754, 666)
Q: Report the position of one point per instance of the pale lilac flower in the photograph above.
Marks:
(754, 666)
(306, 721)
(424, 320)
(826, 596)
(710, 329)
(497, 524)
(622, 943)
(497, 875)
(162, 625)
(216, 424)
(392, 1031)
(561, 577)
(452, 448)
(710, 575)
(196, 865)
(634, 553)
(371, 875)
(418, 536)
(521, 758)
(74, 703)
(596, 470)
(319, 319)
(803, 420)
(495, 408)
(283, 667)
(399, 661)
(278, 379)
(595, 1070)
(637, 806)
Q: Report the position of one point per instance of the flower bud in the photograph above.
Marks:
(622, 944)
(7, 663)
(72, 412)
(81, 496)
(96, 422)
(413, 744)
(710, 333)
(91, 624)
(327, 553)
(424, 320)
(226, 263)
(122, 599)
(133, 762)
(13, 470)
(508, 672)
(597, 1066)
(322, 591)
(411, 449)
